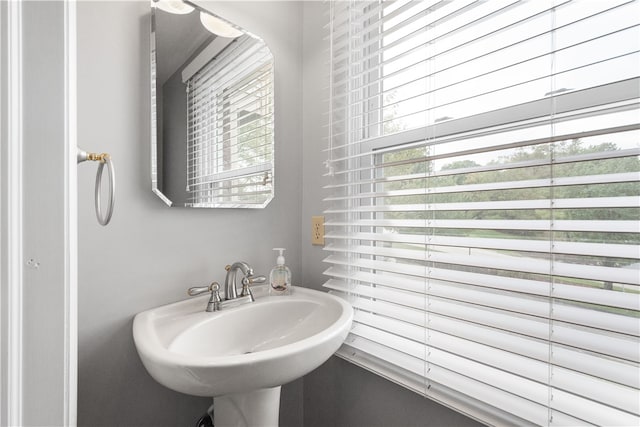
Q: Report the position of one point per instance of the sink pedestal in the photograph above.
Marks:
(259, 408)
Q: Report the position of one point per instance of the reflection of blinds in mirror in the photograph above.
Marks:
(230, 128)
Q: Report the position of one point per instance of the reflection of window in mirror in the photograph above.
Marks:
(230, 127)
(212, 136)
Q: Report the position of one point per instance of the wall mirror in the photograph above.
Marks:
(212, 128)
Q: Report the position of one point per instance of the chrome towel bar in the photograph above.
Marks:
(103, 158)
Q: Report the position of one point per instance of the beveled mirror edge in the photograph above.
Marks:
(154, 113)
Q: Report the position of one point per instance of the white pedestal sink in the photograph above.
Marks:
(241, 355)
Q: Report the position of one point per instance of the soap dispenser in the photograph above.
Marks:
(280, 277)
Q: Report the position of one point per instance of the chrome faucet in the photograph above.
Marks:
(231, 297)
(230, 282)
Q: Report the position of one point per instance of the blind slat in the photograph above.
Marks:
(538, 183)
(534, 225)
(570, 248)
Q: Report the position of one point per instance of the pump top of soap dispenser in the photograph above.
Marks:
(280, 259)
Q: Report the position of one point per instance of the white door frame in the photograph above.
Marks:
(38, 233)
(11, 215)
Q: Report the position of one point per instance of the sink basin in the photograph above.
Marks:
(256, 346)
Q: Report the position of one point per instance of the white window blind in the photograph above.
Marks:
(484, 203)
(230, 128)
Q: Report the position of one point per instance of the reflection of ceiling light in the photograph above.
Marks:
(173, 6)
(218, 26)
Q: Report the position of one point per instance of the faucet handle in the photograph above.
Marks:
(250, 280)
(215, 292)
(198, 290)
(192, 292)
(214, 301)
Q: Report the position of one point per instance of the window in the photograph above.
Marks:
(484, 207)
(230, 130)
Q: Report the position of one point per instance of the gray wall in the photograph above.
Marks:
(149, 254)
(339, 393)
